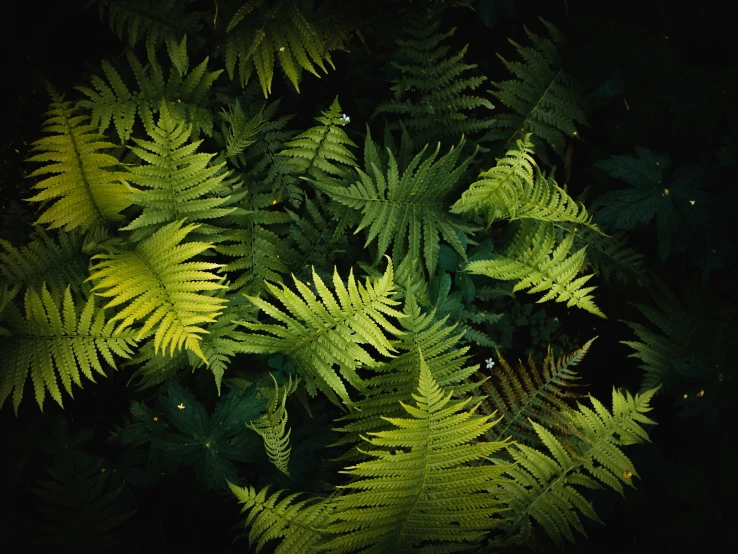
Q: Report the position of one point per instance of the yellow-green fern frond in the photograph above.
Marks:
(159, 283)
(398, 208)
(542, 98)
(272, 426)
(177, 182)
(323, 333)
(83, 191)
(238, 129)
(420, 485)
(54, 340)
(516, 189)
(544, 488)
(534, 260)
(296, 523)
(314, 151)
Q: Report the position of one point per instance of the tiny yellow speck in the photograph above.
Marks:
(627, 474)
(181, 406)
(685, 396)
(701, 393)
(666, 191)
(281, 48)
(156, 419)
(691, 202)
(274, 201)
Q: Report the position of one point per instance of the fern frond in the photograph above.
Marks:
(296, 523)
(544, 488)
(177, 182)
(159, 283)
(397, 208)
(272, 427)
(517, 189)
(83, 189)
(59, 263)
(431, 95)
(525, 396)
(113, 102)
(420, 486)
(542, 97)
(533, 259)
(54, 340)
(240, 130)
(329, 334)
(315, 151)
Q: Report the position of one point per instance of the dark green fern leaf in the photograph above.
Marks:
(240, 129)
(542, 98)
(53, 339)
(84, 191)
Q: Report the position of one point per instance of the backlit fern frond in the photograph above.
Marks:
(240, 129)
(525, 396)
(517, 189)
(315, 151)
(54, 340)
(161, 284)
(296, 523)
(177, 182)
(430, 94)
(542, 97)
(397, 208)
(84, 192)
(420, 485)
(327, 333)
(534, 260)
(272, 427)
(544, 488)
(113, 102)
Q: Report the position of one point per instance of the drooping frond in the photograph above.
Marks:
(420, 485)
(538, 264)
(394, 380)
(517, 189)
(159, 283)
(327, 333)
(397, 209)
(177, 183)
(113, 102)
(54, 340)
(185, 435)
(152, 21)
(256, 35)
(83, 190)
(432, 95)
(58, 264)
(526, 396)
(542, 96)
(544, 488)
(296, 523)
(272, 426)
(315, 151)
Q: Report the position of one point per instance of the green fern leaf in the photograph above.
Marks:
(329, 334)
(532, 260)
(542, 97)
(413, 490)
(54, 340)
(238, 135)
(272, 427)
(84, 191)
(397, 208)
(159, 283)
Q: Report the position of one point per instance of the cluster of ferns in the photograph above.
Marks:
(183, 224)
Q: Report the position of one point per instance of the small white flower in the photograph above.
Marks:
(490, 363)
(345, 118)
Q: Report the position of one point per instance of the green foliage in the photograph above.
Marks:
(516, 188)
(240, 129)
(177, 182)
(527, 396)
(533, 259)
(673, 196)
(52, 340)
(430, 95)
(397, 207)
(183, 434)
(420, 486)
(542, 98)
(544, 488)
(328, 333)
(84, 191)
(113, 102)
(160, 284)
